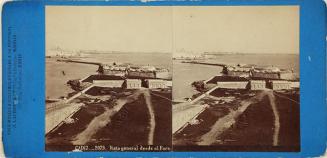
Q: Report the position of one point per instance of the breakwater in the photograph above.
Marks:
(78, 61)
(204, 63)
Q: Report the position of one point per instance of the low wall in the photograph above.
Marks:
(57, 115)
(232, 85)
(183, 113)
(108, 83)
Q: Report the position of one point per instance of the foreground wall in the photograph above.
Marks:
(233, 85)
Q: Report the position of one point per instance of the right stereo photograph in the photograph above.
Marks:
(236, 82)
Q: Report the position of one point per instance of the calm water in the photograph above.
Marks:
(56, 81)
(154, 59)
(184, 74)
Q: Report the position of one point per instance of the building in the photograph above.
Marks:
(236, 71)
(233, 84)
(226, 82)
(265, 75)
(91, 78)
(156, 83)
(112, 70)
(280, 84)
(287, 75)
(141, 74)
(295, 84)
(169, 83)
(257, 84)
(109, 83)
(133, 71)
(162, 73)
(133, 83)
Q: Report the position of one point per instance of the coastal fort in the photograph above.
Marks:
(250, 77)
(233, 107)
(108, 105)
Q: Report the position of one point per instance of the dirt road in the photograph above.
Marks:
(227, 121)
(102, 120)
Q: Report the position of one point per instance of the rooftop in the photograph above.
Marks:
(102, 77)
(227, 78)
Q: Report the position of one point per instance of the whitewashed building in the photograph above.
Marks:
(295, 84)
(280, 84)
(133, 83)
(257, 84)
(156, 83)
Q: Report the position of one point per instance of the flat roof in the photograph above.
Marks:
(103, 77)
(216, 79)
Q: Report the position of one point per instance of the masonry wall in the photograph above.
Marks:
(233, 85)
(109, 83)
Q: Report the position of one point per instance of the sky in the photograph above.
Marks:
(178, 29)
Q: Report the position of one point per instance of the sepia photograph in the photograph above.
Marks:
(236, 78)
(172, 78)
(164, 78)
(108, 78)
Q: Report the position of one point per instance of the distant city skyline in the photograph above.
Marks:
(180, 30)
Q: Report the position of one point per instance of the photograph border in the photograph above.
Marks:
(31, 27)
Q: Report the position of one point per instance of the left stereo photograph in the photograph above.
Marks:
(108, 78)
